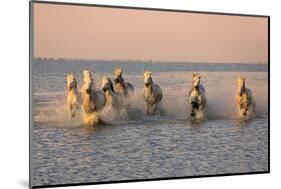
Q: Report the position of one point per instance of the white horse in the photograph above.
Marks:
(93, 101)
(197, 96)
(152, 93)
(97, 96)
(125, 88)
(72, 96)
(244, 98)
(112, 99)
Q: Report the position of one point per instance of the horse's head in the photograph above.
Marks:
(87, 87)
(118, 75)
(87, 76)
(71, 82)
(107, 84)
(147, 78)
(196, 79)
(240, 85)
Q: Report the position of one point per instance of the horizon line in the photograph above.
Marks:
(139, 60)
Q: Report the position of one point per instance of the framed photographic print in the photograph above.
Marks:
(124, 94)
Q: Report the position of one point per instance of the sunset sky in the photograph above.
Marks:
(63, 31)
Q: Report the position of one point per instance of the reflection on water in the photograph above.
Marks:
(144, 147)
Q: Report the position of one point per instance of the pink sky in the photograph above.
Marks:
(63, 31)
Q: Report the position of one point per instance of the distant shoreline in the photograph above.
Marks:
(142, 61)
(168, 66)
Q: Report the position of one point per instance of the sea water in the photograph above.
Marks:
(65, 151)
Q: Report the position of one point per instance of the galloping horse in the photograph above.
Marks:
(152, 93)
(197, 96)
(97, 96)
(72, 96)
(244, 98)
(125, 88)
(113, 99)
(93, 101)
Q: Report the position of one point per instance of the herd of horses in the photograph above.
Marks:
(92, 100)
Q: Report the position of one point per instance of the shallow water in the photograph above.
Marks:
(142, 147)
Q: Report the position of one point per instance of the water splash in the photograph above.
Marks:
(175, 105)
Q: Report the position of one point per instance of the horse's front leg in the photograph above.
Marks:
(192, 112)
(147, 108)
(242, 110)
(155, 109)
(151, 108)
(71, 110)
(239, 108)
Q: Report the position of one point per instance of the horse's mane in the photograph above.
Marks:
(122, 82)
(111, 85)
(75, 82)
(122, 79)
